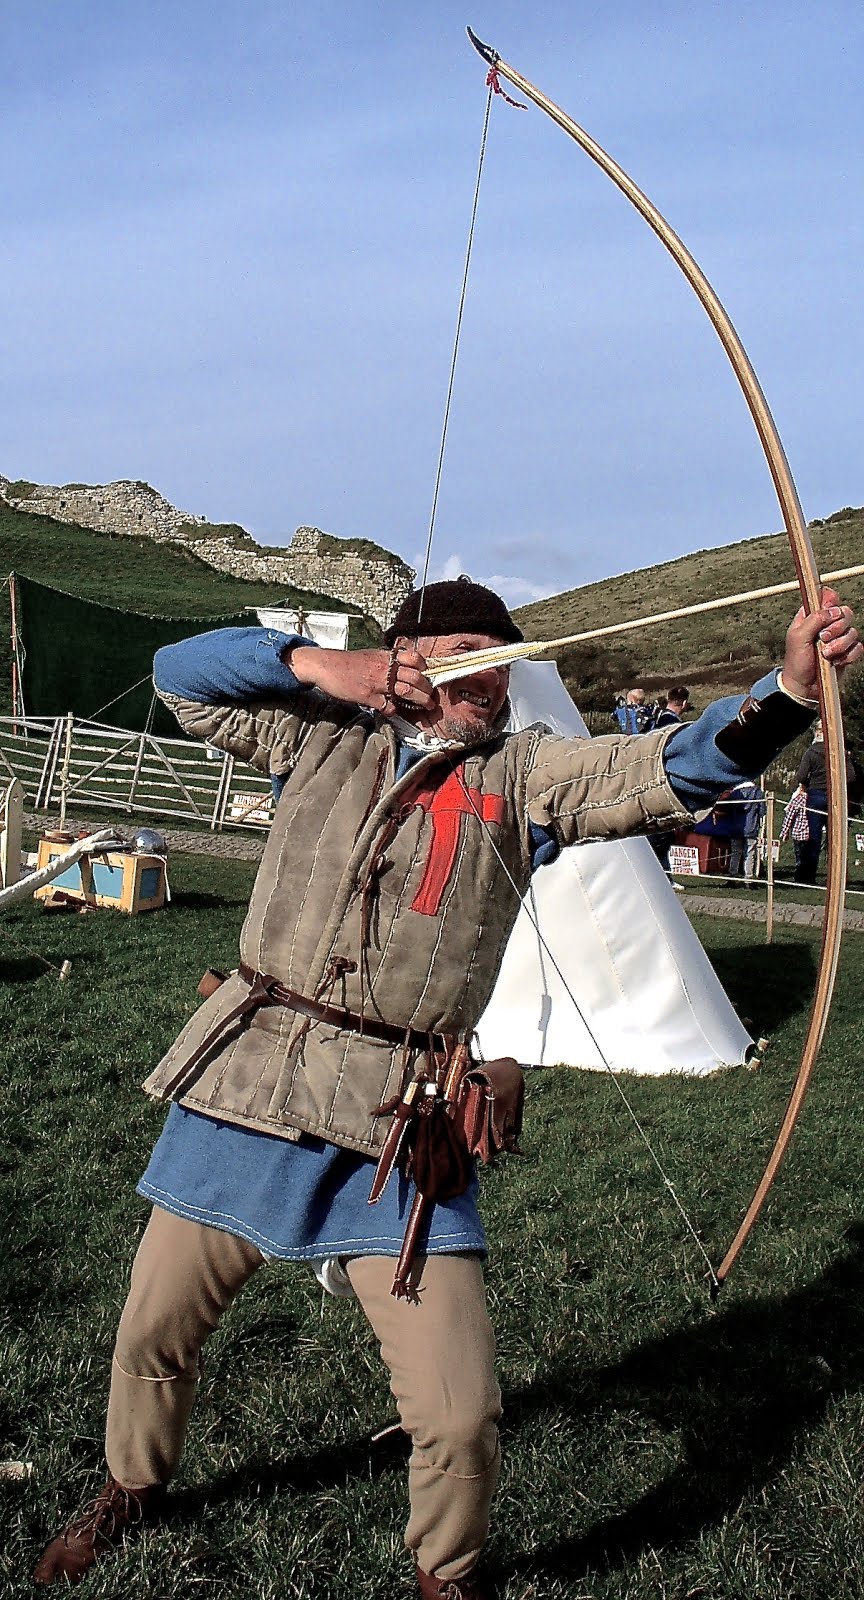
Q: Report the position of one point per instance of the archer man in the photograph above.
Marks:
(408, 827)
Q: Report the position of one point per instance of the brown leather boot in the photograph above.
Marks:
(471, 1587)
(102, 1525)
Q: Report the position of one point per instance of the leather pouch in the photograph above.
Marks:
(465, 1112)
(490, 1108)
(212, 980)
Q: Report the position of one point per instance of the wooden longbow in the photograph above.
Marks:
(810, 587)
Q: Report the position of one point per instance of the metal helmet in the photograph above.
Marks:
(149, 842)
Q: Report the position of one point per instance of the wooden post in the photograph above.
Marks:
(769, 828)
(10, 836)
(64, 771)
(16, 687)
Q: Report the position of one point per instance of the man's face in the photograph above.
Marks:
(468, 707)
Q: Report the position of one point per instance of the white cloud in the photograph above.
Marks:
(519, 591)
(441, 572)
(452, 569)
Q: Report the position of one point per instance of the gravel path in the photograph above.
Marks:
(234, 846)
(755, 911)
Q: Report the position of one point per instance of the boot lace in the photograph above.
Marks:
(112, 1511)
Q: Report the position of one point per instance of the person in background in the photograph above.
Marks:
(631, 714)
(747, 808)
(812, 780)
(677, 705)
(677, 702)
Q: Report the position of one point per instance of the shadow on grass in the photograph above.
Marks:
(262, 1477)
(738, 1390)
(24, 969)
(768, 982)
(201, 900)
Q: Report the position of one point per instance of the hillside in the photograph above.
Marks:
(356, 572)
(715, 653)
(134, 575)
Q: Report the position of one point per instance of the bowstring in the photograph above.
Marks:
(667, 1181)
(424, 579)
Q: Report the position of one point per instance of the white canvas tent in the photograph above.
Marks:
(328, 628)
(649, 995)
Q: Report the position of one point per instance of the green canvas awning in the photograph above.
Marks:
(91, 659)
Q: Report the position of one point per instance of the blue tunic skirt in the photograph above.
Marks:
(297, 1202)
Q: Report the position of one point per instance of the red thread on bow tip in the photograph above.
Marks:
(493, 82)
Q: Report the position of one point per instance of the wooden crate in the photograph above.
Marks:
(713, 851)
(121, 880)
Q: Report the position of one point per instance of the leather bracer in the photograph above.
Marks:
(761, 730)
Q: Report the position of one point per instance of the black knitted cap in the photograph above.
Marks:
(459, 606)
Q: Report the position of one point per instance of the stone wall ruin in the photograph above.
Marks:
(356, 572)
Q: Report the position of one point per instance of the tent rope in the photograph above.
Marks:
(122, 696)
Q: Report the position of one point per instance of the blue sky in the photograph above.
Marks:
(233, 244)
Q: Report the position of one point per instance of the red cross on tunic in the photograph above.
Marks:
(445, 804)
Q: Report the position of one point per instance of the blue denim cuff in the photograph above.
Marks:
(228, 664)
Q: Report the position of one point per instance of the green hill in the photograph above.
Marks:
(715, 653)
(134, 575)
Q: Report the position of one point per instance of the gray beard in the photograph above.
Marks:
(466, 734)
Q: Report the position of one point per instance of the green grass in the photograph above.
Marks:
(654, 1446)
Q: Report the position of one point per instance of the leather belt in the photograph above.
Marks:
(274, 993)
(265, 990)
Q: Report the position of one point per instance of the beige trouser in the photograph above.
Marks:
(440, 1352)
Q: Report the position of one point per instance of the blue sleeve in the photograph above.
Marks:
(227, 664)
(696, 769)
(544, 845)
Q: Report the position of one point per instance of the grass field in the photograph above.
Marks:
(654, 1446)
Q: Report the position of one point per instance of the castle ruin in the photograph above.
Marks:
(355, 572)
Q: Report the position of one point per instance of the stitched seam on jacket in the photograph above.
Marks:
(441, 920)
(501, 879)
(628, 777)
(313, 722)
(458, 999)
(630, 792)
(307, 891)
(340, 1074)
(668, 814)
(220, 1078)
(397, 914)
(277, 1125)
(247, 1105)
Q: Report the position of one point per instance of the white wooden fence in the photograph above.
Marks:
(64, 761)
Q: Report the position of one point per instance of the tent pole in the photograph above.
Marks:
(15, 685)
(64, 771)
(769, 828)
